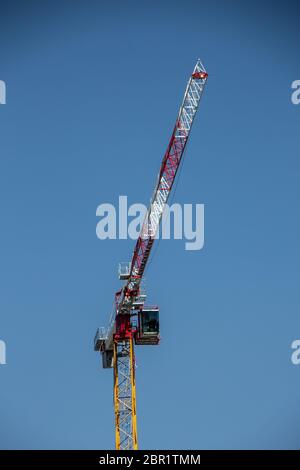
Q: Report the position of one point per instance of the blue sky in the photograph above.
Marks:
(93, 89)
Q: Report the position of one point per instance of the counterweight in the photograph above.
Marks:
(132, 322)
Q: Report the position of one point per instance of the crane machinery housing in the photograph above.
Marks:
(132, 322)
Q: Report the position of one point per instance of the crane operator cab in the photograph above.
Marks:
(148, 326)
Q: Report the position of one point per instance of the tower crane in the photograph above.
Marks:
(132, 322)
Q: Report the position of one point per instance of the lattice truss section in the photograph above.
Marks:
(124, 396)
(166, 177)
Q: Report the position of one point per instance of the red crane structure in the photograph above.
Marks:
(132, 323)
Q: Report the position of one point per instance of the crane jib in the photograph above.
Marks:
(166, 178)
